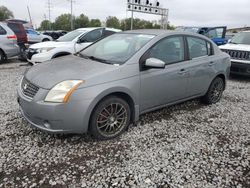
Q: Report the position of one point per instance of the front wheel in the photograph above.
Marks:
(110, 118)
(214, 92)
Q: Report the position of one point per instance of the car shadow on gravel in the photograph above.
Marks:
(166, 113)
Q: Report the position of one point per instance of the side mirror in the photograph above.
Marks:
(81, 40)
(78, 41)
(155, 63)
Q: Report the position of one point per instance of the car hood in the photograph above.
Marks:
(240, 47)
(47, 75)
(51, 44)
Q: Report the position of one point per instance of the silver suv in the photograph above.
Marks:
(107, 86)
(8, 43)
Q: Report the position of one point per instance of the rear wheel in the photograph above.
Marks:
(110, 118)
(45, 40)
(2, 56)
(214, 92)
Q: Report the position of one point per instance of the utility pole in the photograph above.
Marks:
(71, 17)
(29, 16)
(49, 8)
(132, 19)
(46, 26)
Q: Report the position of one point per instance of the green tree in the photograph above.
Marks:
(95, 23)
(81, 21)
(138, 24)
(45, 25)
(113, 22)
(62, 22)
(5, 13)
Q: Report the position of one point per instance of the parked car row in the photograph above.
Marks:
(104, 87)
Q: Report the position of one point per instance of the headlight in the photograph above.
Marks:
(62, 91)
(42, 50)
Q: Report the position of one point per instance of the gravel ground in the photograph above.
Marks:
(187, 145)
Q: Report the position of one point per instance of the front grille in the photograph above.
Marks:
(235, 54)
(28, 88)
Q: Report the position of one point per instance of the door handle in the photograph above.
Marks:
(211, 63)
(182, 71)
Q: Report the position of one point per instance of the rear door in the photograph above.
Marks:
(201, 65)
(162, 86)
(8, 41)
(3, 37)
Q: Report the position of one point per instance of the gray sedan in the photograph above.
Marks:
(104, 88)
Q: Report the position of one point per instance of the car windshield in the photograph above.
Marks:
(117, 48)
(70, 36)
(241, 38)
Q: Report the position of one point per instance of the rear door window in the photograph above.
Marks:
(198, 47)
(14, 27)
(215, 33)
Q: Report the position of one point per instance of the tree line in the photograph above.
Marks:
(62, 22)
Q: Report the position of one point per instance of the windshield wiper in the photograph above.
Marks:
(99, 59)
(233, 43)
(94, 58)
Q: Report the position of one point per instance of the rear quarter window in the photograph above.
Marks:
(2, 31)
(14, 27)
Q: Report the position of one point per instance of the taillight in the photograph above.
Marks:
(13, 37)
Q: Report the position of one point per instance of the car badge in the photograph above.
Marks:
(25, 86)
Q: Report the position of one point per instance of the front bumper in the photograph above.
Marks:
(240, 68)
(34, 57)
(54, 117)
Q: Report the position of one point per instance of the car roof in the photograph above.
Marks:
(159, 32)
(93, 28)
(149, 31)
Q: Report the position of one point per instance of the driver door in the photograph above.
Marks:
(88, 39)
(167, 85)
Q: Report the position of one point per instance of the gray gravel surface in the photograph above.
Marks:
(186, 145)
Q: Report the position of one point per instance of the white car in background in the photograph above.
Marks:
(239, 50)
(70, 43)
(35, 37)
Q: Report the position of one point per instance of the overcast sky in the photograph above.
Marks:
(233, 13)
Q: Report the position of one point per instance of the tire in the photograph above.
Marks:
(214, 92)
(110, 118)
(45, 40)
(2, 57)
